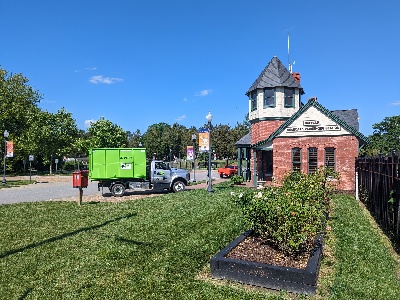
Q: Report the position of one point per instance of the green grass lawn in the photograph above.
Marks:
(15, 183)
(160, 248)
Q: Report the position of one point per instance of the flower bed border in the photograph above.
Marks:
(266, 275)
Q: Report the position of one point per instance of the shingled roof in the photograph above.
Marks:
(350, 116)
(275, 74)
(244, 141)
(334, 115)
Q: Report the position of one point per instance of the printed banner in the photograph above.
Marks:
(189, 153)
(204, 144)
(10, 149)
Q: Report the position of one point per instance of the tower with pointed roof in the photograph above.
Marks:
(273, 98)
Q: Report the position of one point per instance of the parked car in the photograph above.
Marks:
(228, 171)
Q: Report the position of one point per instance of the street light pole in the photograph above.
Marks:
(209, 120)
(5, 156)
(194, 156)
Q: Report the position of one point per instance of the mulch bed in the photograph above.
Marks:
(256, 249)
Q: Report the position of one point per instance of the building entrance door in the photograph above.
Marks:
(266, 171)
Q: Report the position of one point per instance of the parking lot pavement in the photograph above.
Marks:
(56, 187)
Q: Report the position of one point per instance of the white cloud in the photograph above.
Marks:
(91, 69)
(106, 80)
(181, 118)
(396, 103)
(88, 122)
(203, 93)
(185, 99)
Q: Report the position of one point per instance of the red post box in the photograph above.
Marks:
(76, 179)
(80, 178)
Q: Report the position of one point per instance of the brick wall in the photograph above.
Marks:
(263, 129)
(346, 152)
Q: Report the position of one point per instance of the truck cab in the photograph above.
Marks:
(163, 177)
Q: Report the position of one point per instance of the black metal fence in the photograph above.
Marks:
(379, 190)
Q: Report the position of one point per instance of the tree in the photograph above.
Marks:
(105, 134)
(222, 141)
(134, 139)
(178, 138)
(18, 108)
(385, 138)
(156, 140)
(18, 101)
(48, 136)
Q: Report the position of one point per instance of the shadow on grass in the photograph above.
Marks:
(25, 294)
(132, 242)
(62, 236)
(137, 193)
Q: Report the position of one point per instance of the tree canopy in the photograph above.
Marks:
(385, 138)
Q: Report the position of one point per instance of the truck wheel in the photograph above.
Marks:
(221, 175)
(118, 190)
(178, 186)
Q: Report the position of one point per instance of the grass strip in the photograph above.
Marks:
(15, 183)
(364, 268)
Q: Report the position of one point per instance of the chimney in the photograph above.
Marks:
(312, 99)
(296, 76)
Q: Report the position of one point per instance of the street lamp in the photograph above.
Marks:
(194, 156)
(5, 156)
(209, 120)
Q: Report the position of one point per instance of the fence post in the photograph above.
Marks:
(357, 198)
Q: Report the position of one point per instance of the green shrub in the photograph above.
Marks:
(290, 215)
(237, 179)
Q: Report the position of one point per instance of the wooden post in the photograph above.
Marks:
(80, 196)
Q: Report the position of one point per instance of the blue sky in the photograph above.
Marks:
(141, 62)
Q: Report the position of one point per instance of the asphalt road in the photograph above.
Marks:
(48, 191)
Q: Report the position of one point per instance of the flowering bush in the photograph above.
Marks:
(289, 215)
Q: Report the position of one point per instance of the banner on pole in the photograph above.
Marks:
(189, 153)
(10, 149)
(204, 144)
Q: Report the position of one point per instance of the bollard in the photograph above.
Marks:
(80, 196)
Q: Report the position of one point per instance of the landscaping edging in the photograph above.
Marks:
(265, 275)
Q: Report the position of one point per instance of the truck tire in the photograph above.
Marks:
(118, 190)
(178, 186)
(221, 175)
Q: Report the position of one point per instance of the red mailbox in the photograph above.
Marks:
(80, 178)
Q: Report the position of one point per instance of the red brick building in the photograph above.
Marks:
(287, 134)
